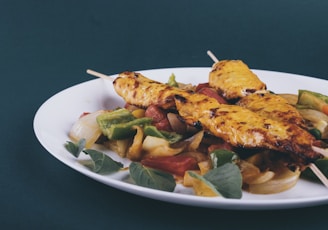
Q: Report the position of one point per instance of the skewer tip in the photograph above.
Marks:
(319, 174)
(97, 74)
(212, 56)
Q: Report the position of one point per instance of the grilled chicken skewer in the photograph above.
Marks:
(210, 109)
(234, 80)
(143, 92)
(272, 106)
(236, 125)
(244, 128)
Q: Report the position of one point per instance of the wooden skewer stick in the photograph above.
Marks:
(212, 56)
(319, 174)
(97, 74)
(323, 152)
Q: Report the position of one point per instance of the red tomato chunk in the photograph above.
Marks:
(173, 164)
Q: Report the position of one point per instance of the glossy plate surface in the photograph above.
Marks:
(55, 117)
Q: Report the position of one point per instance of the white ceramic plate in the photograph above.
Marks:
(55, 117)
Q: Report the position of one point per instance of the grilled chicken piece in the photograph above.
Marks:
(244, 128)
(138, 90)
(272, 106)
(233, 79)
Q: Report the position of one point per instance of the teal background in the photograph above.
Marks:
(46, 46)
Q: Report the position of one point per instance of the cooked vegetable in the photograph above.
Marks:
(119, 146)
(86, 127)
(223, 179)
(261, 178)
(291, 98)
(138, 113)
(195, 141)
(172, 81)
(171, 137)
(283, 180)
(317, 120)
(202, 187)
(159, 117)
(135, 151)
(220, 157)
(118, 124)
(316, 94)
(177, 165)
(155, 147)
(205, 166)
(108, 118)
(176, 123)
(313, 100)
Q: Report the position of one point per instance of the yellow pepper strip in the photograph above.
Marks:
(135, 151)
(138, 113)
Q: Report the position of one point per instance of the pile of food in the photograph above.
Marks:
(219, 137)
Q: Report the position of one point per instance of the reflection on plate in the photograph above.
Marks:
(64, 108)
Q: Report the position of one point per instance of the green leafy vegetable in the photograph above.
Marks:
(103, 164)
(151, 178)
(221, 156)
(316, 133)
(75, 148)
(171, 137)
(227, 180)
(211, 189)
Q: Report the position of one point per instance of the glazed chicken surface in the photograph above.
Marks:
(233, 79)
(244, 128)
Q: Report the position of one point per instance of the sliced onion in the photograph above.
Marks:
(176, 124)
(86, 127)
(119, 146)
(195, 141)
(283, 180)
(291, 98)
(262, 177)
(156, 147)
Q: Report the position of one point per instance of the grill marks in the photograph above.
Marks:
(237, 125)
(272, 106)
(244, 128)
(141, 91)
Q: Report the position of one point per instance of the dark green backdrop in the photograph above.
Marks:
(46, 46)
